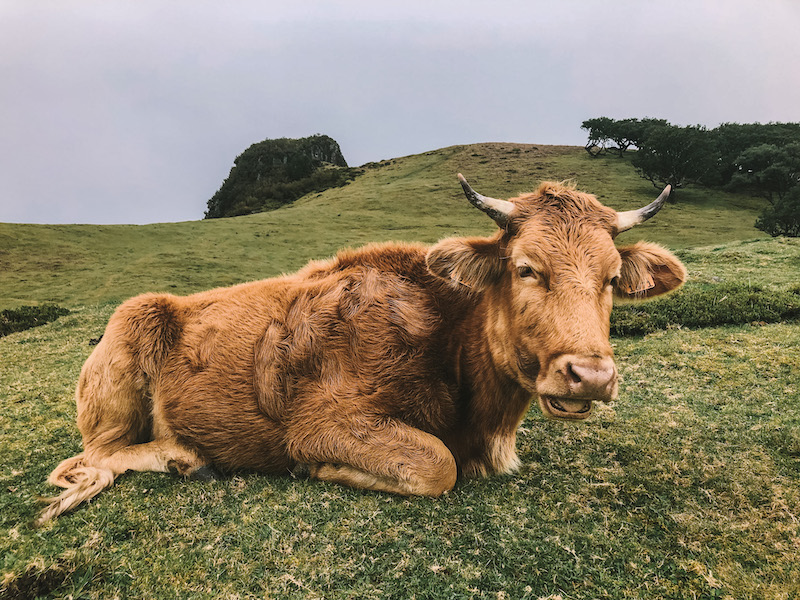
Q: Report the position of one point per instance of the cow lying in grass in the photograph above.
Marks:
(393, 367)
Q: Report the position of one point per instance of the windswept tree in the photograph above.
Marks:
(635, 131)
(782, 217)
(773, 173)
(768, 171)
(675, 156)
(617, 136)
(599, 130)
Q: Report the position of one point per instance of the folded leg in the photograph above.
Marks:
(380, 454)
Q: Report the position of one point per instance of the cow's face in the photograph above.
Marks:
(548, 279)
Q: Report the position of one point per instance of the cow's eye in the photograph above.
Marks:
(525, 271)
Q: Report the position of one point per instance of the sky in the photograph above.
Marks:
(132, 111)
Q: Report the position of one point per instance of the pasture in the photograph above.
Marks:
(688, 486)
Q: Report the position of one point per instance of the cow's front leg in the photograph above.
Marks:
(358, 478)
(383, 455)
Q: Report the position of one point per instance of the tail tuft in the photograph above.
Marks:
(63, 475)
(82, 483)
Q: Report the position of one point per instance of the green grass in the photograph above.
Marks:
(688, 486)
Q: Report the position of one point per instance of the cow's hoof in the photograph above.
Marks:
(301, 471)
(205, 473)
(177, 469)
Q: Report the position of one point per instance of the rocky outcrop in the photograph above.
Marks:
(272, 173)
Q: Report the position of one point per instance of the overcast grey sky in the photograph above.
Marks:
(119, 111)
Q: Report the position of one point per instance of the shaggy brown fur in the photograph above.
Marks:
(392, 367)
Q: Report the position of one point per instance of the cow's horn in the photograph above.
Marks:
(631, 218)
(499, 210)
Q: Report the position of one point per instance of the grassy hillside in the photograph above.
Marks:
(688, 486)
(411, 198)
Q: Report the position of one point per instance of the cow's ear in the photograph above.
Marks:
(648, 270)
(470, 262)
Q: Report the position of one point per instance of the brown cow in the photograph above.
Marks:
(392, 367)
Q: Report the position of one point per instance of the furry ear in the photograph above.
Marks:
(648, 270)
(471, 262)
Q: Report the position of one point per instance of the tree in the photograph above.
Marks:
(635, 131)
(670, 155)
(767, 170)
(627, 133)
(773, 173)
(599, 134)
(732, 139)
(617, 136)
(782, 217)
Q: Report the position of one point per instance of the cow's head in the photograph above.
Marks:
(549, 276)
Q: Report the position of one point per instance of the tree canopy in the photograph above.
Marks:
(761, 159)
(674, 156)
(617, 136)
(767, 170)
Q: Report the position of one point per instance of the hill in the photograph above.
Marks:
(410, 198)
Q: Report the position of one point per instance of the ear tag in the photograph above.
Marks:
(645, 283)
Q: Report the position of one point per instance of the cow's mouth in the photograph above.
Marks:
(565, 408)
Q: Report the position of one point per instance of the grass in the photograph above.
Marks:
(686, 487)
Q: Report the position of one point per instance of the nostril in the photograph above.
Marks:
(593, 376)
(580, 376)
(572, 376)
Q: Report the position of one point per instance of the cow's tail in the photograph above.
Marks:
(81, 481)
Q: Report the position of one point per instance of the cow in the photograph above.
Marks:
(394, 367)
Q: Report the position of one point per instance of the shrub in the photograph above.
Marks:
(25, 317)
(692, 306)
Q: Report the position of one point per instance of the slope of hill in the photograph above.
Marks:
(409, 198)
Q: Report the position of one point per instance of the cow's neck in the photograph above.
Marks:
(494, 403)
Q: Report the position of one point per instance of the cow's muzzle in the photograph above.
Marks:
(572, 382)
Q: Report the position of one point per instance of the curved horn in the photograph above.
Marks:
(631, 218)
(499, 210)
